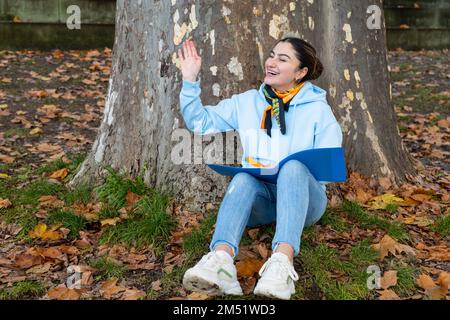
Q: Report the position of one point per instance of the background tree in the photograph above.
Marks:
(234, 38)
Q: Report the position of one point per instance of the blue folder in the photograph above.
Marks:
(325, 164)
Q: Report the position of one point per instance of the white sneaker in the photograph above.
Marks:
(277, 278)
(215, 274)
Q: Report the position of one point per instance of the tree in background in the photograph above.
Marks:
(234, 39)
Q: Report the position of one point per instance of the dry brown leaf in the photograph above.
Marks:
(26, 260)
(441, 253)
(248, 267)
(444, 280)
(35, 131)
(421, 197)
(50, 202)
(385, 182)
(253, 233)
(388, 245)
(248, 285)
(6, 159)
(109, 288)
(389, 279)
(156, 285)
(132, 294)
(388, 294)
(434, 291)
(109, 222)
(69, 250)
(42, 231)
(46, 147)
(262, 250)
(131, 198)
(40, 269)
(63, 293)
(59, 174)
(52, 253)
(197, 296)
(5, 203)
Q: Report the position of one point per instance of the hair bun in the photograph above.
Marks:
(317, 70)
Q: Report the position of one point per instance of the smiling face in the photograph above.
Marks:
(282, 67)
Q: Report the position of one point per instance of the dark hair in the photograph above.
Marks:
(307, 56)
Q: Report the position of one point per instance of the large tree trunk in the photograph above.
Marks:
(234, 38)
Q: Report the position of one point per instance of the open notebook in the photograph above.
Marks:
(325, 164)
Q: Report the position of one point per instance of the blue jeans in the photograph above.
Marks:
(296, 201)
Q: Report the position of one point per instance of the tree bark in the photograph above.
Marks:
(234, 39)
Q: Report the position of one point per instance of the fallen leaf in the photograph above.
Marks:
(41, 231)
(389, 279)
(132, 294)
(50, 202)
(63, 293)
(69, 250)
(156, 285)
(131, 198)
(434, 291)
(40, 269)
(197, 296)
(262, 250)
(26, 260)
(59, 174)
(6, 159)
(419, 221)
(444, 280)
(381, 202)
(253, 233)
(388, 294)
(35, 131)
(52, 253)
(109, 288)
(388, 245)
(248, 267)
(5, 203)
(109, 222)
(421, 197)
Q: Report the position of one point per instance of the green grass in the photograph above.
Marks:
(366, 220)
(107, 268)
(406, 283)
(22, 290)
(321, 261)
(149, 225)
(196, 243)
(442, 225)
(170, 281)
(68, 220)
(81, 193)
(363, 253)
(392, 208)
(20, 132)
(4, 167)
(75, 161)
(116, 186)
(332, 219)
(31, 193)
(106, 212)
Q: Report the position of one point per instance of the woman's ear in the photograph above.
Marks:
(302, 73)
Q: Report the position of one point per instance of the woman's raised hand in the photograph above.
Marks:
(190, 61)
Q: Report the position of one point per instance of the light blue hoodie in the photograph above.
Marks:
(310, 122)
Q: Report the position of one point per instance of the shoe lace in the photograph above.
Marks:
(279, 268)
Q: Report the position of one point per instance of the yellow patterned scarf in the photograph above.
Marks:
(278, 104)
